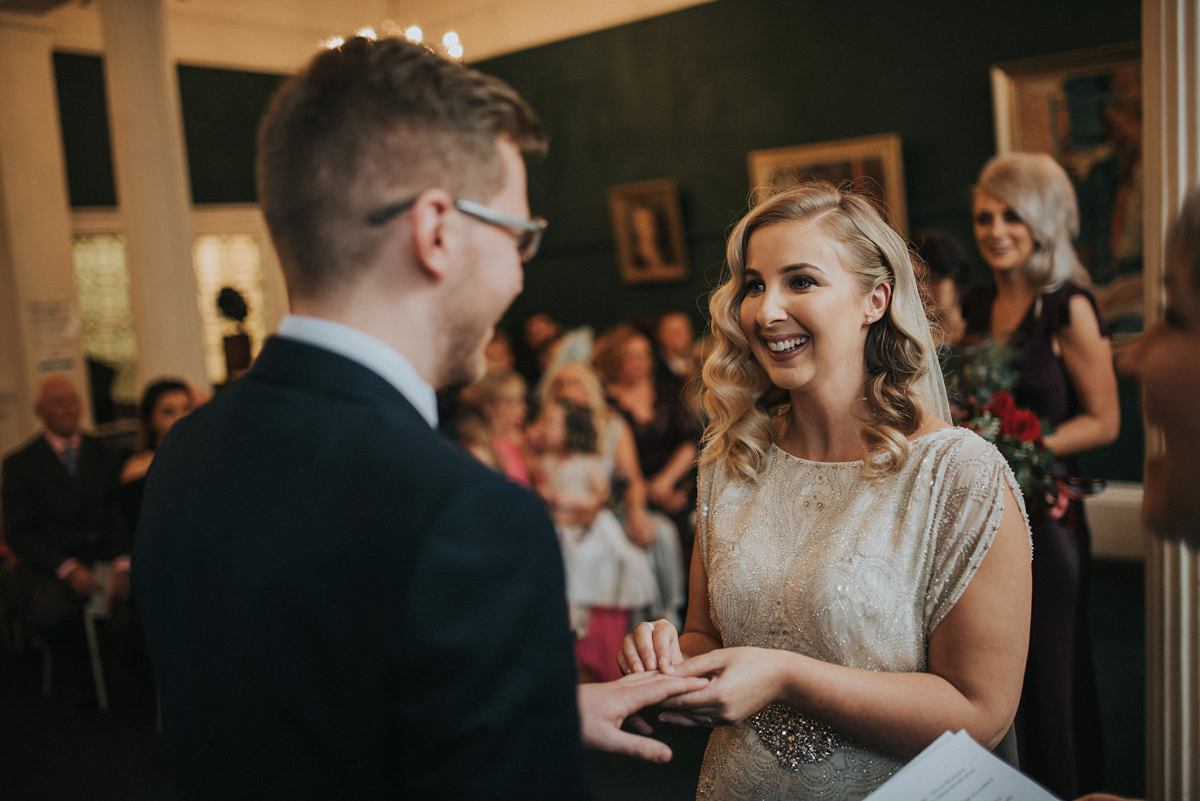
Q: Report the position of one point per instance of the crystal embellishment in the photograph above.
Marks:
(794, 739)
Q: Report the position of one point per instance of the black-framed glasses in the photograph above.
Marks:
(528, 233)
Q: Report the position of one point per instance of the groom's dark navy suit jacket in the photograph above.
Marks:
(341, 605)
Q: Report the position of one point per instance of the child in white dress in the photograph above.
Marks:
(607, 575)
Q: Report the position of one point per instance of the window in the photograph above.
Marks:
(228, 260)
(106, 316)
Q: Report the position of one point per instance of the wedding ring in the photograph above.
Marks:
(709, 720)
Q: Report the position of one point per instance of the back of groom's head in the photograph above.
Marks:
(368, 124)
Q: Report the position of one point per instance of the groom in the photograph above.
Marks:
(337, 603)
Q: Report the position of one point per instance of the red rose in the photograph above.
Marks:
(1002, 404)
(1022, 424)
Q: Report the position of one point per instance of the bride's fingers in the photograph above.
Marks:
(666, 648)
(695, 702)
(643, 637)
(629, 656)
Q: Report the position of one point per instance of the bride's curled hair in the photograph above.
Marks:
(746, 411)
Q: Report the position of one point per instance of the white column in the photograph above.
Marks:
(152, 189)
(39, 319)
(1171, 129)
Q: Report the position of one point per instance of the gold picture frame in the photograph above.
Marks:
(873, 165)
(648, 226)
(1084, 108)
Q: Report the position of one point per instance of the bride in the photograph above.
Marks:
(861, 579)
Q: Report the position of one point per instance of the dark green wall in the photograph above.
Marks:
(83, 120)
(221, 109)
(688, 95)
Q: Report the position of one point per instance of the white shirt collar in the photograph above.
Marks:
(368, 351)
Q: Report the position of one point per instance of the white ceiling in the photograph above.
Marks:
(280, 35)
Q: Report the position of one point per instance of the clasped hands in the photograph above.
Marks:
(741, 681)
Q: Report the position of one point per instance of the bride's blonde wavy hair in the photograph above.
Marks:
(746, 410)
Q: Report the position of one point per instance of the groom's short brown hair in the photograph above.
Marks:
(371, 123)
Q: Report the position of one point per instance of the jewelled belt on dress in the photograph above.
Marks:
(794, 739)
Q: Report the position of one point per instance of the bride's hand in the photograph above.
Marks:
(651, 646)
(741, 682)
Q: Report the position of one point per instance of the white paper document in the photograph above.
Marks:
(956, 768)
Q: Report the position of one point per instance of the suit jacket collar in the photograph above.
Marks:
(46, 459)
(59, 444)
(287, 361)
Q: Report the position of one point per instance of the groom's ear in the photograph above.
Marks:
(435, 234)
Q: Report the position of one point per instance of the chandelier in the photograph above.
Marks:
(451, 44)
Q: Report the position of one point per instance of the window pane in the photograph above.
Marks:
(106, 318)
(228, 260)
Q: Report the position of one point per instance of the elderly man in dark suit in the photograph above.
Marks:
(337, 602)
(59, 498)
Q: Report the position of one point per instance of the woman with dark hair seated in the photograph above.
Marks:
(163, 402)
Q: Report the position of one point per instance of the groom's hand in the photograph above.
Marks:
(603, 708)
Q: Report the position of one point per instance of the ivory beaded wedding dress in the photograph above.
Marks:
(816, 559)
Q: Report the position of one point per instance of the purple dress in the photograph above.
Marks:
(1058, 720)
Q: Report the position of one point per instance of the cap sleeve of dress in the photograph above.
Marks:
(970, 503)
(1058, 308)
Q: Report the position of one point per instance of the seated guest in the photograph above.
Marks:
(607, 575)
(541, 332)
(498, 352)
(654, 409)
(162, 403)
(675, 340)
(492, 426)
(942, 277)
(648, 529)
(59, 501)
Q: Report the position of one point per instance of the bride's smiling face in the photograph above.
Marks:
(802, 309)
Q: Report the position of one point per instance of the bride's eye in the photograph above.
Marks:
(752, 285)
(802, 282)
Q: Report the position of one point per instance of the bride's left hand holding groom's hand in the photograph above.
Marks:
(741, 682)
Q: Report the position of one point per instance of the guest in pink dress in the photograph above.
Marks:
(495, 429)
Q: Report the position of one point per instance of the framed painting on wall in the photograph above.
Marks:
(649, 231)
(873, 165)
(1084, 108)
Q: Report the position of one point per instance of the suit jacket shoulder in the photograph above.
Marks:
(337, 599)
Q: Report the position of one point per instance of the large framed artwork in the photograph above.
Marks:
(871, 164)
(1085, 109)
(649, 230)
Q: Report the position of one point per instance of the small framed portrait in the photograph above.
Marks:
(649, 230)
(1084, 108)
(872, 165)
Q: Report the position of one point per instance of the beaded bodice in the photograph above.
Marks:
(814, 558)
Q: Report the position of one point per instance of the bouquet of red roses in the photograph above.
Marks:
(980, 380)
